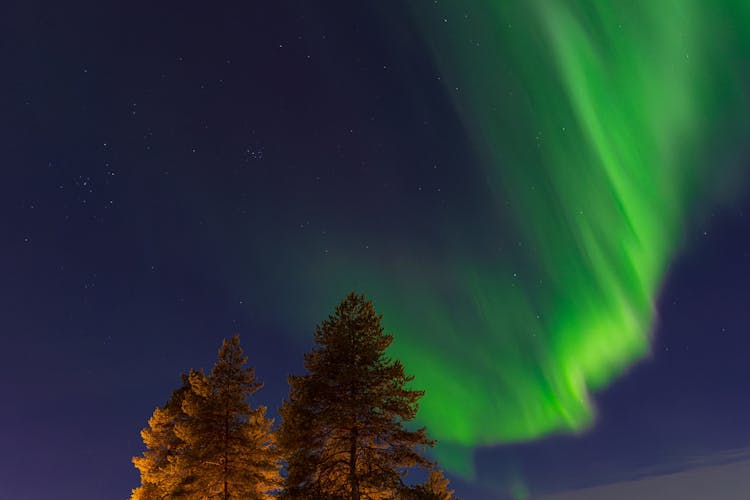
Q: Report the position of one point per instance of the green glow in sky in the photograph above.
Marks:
(602, 131)
(597, 125)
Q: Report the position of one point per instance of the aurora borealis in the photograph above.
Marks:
(596, 121)
(595, 127)
(546, 200)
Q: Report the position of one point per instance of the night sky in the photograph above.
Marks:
(175, 173)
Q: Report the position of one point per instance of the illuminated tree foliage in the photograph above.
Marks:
(342, 433)
(213, 444)
(435, 488)
(160, 478)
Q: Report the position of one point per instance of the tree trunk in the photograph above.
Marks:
(226, 455)
(353, 477)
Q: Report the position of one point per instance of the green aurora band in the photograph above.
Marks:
(599, 123)
(600, 130)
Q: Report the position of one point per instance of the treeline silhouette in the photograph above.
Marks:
(342, 435)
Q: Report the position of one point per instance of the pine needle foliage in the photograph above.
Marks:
(223, 448)
(435, 488)
(160, 478)
(343, 433)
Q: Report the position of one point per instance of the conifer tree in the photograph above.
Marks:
(343, 433)
(229, 452)
(435, 488)
(207, 442)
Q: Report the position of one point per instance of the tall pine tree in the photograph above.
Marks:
(229, 451)
(343, 433)
(218, 446)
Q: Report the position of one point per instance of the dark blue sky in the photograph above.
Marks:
(160, 162)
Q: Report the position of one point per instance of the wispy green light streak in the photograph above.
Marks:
(601, 130)
(595, 120)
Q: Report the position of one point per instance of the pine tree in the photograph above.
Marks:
(228, 445)
(435, 488)
(343, 432)
(159, 475)
(207, 442)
